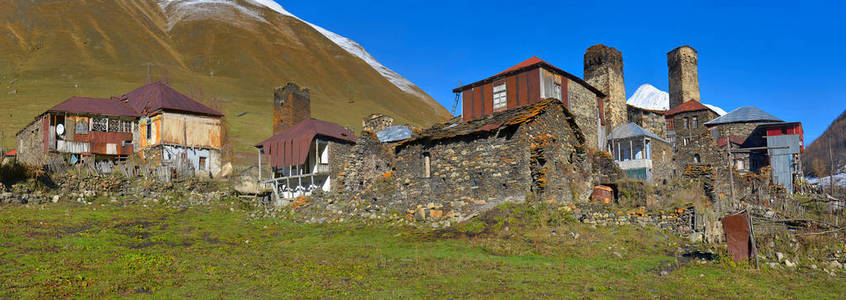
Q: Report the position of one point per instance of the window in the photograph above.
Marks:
(202, 163)
(100, 124)
(556, 89)
(427, 170)
(324, 157)
(697, 159)
(81, 126)
(739, 164)
(149, 130)
(669, 124)
(695, 122)
(500, 96)
(686, 123)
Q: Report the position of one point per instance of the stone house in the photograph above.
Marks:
(641, 154)
(739, 128)
(693, 143)
(175, 131)
(531, 81)
(162, 125)
(306, 156)
(535, 151)
(79, 129)
(650, 119)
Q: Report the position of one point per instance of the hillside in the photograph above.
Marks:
(816, 157)
(235, 51)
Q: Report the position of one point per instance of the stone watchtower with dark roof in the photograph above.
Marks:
(684, 76)
(604, 70)
(291, 105)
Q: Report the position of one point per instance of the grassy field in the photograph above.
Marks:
(75, 250)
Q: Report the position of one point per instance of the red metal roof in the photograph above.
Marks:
(686, 107)
(12, 153)
(99, 106)
(290, 147)
(159, 96)
(526, 63)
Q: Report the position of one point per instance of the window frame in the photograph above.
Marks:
(502, 94)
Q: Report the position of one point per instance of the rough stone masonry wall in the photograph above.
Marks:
(603, 69)
(583, 106)
(652, 121)
(31, 145)
(662, 162)
(561, 170)
(699, 140)
(467, 172)
(684, 76)
(737, 129)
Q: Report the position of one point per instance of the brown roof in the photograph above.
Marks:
(530, 64)
(98, 106)
(488, 123)
(688, 106)
(159, 96)
(290, 147)
(657, 111)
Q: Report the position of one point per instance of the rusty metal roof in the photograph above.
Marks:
(530, 64)
(98, 106)
(687, 107)
(291, 147)
(159, 96)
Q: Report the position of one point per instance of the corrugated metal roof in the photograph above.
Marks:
(534, 60)
(632, 130)
(290, 147)
(159, 96)
(743, 115)
(687, 107)
(393, 134)
(99, 106)
(531, 64)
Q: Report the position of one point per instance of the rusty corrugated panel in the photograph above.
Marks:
(467, 105)
(602, 194)
(291, 146)
(477, 103)
(511, 90)
(45, 131)
(738, 240)
(534, 85)
(97, 137)
(488, 98)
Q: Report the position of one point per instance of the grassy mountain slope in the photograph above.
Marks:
(52, 50)
(816, 158)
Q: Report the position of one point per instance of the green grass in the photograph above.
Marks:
(74, 250)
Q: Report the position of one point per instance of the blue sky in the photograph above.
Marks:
(787, 57)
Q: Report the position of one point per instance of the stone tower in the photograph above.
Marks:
(291, 105)
(684, 78)
(604, 70)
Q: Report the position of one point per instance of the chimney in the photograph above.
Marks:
(604, 71)
(291, 105)
(684, 77)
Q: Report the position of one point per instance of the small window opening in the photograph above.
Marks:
(202, 163)
(500, 96)
(149, 130)
(697, 159)
(427, 170)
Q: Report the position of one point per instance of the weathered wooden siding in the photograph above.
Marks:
(190, 130)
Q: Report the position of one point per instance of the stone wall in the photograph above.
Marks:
(31, 144)
(662, 162)
(376, 122)
(291, 105)
(582, 103)
(603, 69)
(736, 129)
(650, 120)
(692, 141)
(684, 76)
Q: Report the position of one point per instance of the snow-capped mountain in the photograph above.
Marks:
(649, 97)
(183, 10)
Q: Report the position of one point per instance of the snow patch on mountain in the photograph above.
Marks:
(649, 97)
(186, 10)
